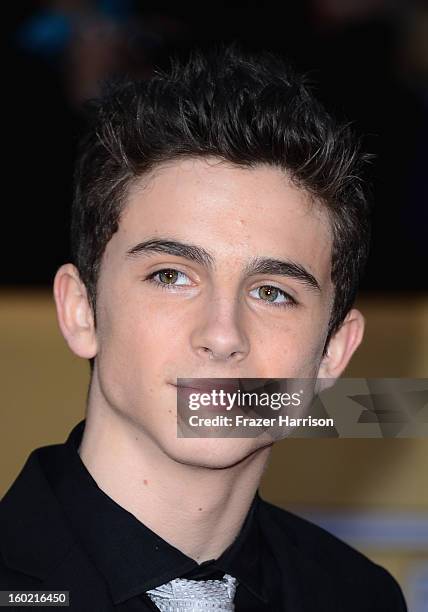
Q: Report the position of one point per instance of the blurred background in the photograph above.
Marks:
(369, 59)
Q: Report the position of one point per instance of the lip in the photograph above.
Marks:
(203, 387)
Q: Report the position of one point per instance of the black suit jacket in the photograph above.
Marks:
(319, 572)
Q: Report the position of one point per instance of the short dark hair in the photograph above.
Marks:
(248, 109)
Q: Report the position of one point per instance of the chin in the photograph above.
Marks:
(214, 453)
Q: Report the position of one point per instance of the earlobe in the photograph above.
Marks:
(74, 313)
(343, 345)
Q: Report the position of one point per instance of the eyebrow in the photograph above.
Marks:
(173, 247)
(257, 265)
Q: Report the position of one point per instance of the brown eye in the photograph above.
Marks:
(168, 277)
(273, 295)
(268, 293)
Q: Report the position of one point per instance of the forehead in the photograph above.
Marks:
(232, 211)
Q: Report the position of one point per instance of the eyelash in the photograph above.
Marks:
(291, 302)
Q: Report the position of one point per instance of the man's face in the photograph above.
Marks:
(172, 312)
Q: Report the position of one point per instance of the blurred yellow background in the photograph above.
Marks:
(380, 485)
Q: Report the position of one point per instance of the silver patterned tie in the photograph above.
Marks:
(183, 595)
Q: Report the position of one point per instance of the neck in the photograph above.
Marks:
(199, 510)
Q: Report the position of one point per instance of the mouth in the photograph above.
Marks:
(228, 385)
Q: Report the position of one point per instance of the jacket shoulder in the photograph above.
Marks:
(351, 569)
(34, 535)
(11, 579)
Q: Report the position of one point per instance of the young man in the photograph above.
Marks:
(219, 230)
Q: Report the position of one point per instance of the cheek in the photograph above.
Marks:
(125, 352)
(290, 349)
(137, 338)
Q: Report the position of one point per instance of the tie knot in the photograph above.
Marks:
(183, 595)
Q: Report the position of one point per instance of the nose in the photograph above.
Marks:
(219, 335)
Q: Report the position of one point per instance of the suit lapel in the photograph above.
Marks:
(305, 585)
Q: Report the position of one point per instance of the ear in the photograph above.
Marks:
(342, 345)
(74, 312)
